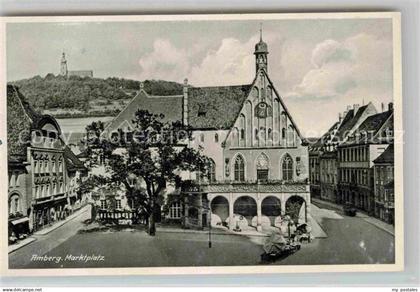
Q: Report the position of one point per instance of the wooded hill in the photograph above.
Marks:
(77, 93)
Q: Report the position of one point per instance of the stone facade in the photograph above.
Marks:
(355, 160)
(329, 173)
(384, 185)
(41, 181)
(254, 146)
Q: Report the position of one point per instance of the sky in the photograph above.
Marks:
(319, 67)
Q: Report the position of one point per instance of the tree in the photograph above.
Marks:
(155, 152)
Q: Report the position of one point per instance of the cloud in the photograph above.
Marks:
(361, 64)
(165, 62)
(319, 77)
(232, 62)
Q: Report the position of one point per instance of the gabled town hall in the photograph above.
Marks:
(259, 159)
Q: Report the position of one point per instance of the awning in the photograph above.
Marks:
(20, 220)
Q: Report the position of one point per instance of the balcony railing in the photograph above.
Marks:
(245, 186)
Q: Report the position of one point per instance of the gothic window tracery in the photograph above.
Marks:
(239, 168)
(287, 168)
(262, 167)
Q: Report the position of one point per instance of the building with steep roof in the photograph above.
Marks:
(383, 169)
(356, 159)
(37, 166)
(259, 159)
(323, 153)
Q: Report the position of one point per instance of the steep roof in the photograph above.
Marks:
(321, 141)
(215, 107)
(374, 123)
(72, 162)
(208, 107)
(21, 117)
(387, 156)
(367, 131)
(170, 106)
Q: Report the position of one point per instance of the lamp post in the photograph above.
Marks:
(210, 228)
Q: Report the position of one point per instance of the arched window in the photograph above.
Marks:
(211, 171)
(239, 168)
(262, 167)
(270, 134)
(287, 167)
(14, 204)
(242, 127)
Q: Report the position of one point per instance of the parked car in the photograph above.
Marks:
(349, 210)
(276, 247)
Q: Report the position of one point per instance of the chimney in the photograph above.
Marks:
(382, 107)
(340, 117)
(356, 107)
(390, 106)
(185, 104)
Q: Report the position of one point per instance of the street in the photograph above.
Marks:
(351, 240)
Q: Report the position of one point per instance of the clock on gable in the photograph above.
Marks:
(263, 110)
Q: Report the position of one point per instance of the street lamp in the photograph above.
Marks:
(210, 228)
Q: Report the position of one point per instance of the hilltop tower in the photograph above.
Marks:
(63, 66)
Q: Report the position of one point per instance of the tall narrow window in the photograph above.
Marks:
(287, 168)
(175, 210)
(216, 138)
(239, 168)
(211, 170)
(35, 166)
(242, 127)
(262, 167)
(290, 136)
